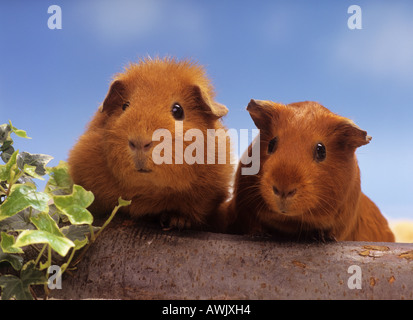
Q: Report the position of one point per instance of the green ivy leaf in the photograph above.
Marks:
(58, 243)
(6, 169)
(5, 131)
(74, 205)
(7, 151)
(80, 243)
(38, 161)
(43, 221)
(22, 197)
(60, 177)
(7, 242)
(124, 203)
(77, 232)
(15, 261)
(20, 221)
(19, 133)
(31, 171)
(14, 287)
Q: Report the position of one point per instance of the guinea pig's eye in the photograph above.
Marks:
(177, 111)
(320, 152)
(125, 105)
(272, 145)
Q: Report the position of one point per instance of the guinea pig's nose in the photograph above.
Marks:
(284, 193)
(140, 145)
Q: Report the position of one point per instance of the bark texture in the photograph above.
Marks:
(131, 261)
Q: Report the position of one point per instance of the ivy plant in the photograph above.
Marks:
(55, 222)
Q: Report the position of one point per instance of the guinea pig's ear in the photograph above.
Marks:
(212, 107)
(115, 98)
(262, 112)
(351, 135)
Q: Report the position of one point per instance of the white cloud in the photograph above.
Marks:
(384, 47)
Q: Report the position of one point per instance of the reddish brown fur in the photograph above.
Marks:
(102, 160)
(327, 201)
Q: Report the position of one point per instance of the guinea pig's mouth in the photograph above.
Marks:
(141, 165)
(285, 210)
(288, 213)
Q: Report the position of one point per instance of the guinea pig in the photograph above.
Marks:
(308, 185)
(140, 145)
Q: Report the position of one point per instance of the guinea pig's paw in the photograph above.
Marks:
(171, 221)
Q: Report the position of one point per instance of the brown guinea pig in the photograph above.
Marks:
(308, 186)
(139, 145)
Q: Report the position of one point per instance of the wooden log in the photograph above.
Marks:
(131, 261)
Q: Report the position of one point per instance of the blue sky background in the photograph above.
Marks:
(52, 81)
